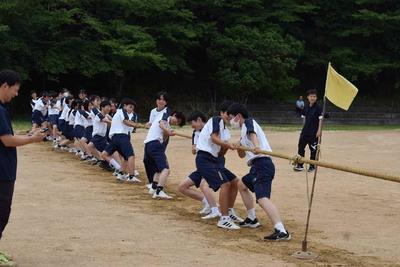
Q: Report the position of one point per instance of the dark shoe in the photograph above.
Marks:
(278, 236)
(250, 223)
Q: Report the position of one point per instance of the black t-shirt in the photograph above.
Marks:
(312, 116)
(8, 155)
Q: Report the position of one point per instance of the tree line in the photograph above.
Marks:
(247, 50)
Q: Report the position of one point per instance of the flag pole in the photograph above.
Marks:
(304, 242)
(304, 253)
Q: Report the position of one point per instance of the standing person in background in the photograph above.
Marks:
(312, 115)
(40, 111)
(54, 109)
(114, 106)
(10, 82)
(299, 106)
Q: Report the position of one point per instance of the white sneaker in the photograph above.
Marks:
(162, 195)
(151, 191)
(133, 179)
(211, 215)
(227, 224)
(206, 210)
(234, 216)
(122, 177)
(148, 186)
(116, 172)
(136, 173)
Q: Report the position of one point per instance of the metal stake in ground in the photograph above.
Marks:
(304, 253)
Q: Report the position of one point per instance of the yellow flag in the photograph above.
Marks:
(338, 90)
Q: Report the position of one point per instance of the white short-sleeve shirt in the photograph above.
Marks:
(251, 126)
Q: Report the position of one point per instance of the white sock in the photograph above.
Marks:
(205, 202)
(279, 226)
(115, 164)
(251, 214)
(223, 218)
(214, 210)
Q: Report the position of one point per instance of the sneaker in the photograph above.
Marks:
(250, 223)
(206, 210)
(136, 173)
(116, 172)
(227, 224)
(278, 236)
(162, 195)
(104, 165)
(122, 177)
(85, 157)
(152, 191)
(234, 217)
(211, 215)
(311, 168)
(148, 186)
(133, 179)
(298, 168)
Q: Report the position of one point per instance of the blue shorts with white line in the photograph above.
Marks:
(211, 170)
(99, 142)
(259, 179)
(154, 159)
(196, 178)
(122, 144)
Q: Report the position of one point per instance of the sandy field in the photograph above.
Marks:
(67, 213)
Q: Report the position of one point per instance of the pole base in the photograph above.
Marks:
(304, 255)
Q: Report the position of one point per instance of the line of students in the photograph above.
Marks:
(85, 127)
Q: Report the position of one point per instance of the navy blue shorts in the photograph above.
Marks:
(259, 179)
(37, 117)
(211, 170)
(79, 131)
(155, 160)
(46, 117)
(229, 175)
(99, 142)
(69, 132)
(62, 125)
(196, 178)
(88, 133)
(122, 144)
(53, 119)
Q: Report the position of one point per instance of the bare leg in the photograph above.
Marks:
(208, 193)
(233, 192)
(162, 179)
(270, 209)
(246, 195)
(185, 188)
(224, 197)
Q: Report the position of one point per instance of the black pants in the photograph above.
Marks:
(312, 142)
(6, 194)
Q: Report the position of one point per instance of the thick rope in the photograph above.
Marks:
(298, 159)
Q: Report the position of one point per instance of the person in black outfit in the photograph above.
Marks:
(312, 115)
(9, 86)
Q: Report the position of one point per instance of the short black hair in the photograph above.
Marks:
(33, 92)
(64, 90)
(10, 77)
(180, 116)
(225, 105)
(93, 98)
(82, 91)
(86, 105)
(127, 101)
(53, 93)
(195, 115)
(45, 94)
(113, 100)
(163, 94)
(104, 103)
(76, 103)
(312, 92)
(237, 108)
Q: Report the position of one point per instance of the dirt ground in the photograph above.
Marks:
(66, 213)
